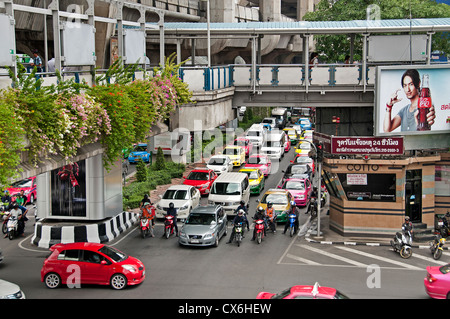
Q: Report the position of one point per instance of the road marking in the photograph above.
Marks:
(432, 260)
(319, 251)
(395, 262)
(303, 260)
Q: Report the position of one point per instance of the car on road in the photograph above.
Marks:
(245, 143)
(139, 153)
(304, 292)
(28, 186)
(300, 189)
(437, 282)
(307, 135)
(256, 179)
(236, 154)
(271, 121)
(90, 263)
(303, 148)
(183, 197)
(281, 201)
(299, 159)
(297, 169)
(262, 162)
(9, 290)
(205, 226)
(201, 178)
(305, 123)
(292, 134)
(220, 164)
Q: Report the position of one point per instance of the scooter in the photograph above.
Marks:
(146, 228)
(259, 226)
(402, 243)
(168, 226)
(292, 226)
(444, 230)
(13, 225)
(437, 247)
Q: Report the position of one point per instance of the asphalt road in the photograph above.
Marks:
(228, 271)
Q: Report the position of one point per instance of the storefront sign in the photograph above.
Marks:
(367, 145)
(356, 179)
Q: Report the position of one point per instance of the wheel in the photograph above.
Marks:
(118, 281)
(216, 241)
(11, 235)
(143, 233)
(31, 199)
(259, 238)
(167, 233)
(4, 228)
(437, 254)
(52, 280)
(291, 231)
(406, 252)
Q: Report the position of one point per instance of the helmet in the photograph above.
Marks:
(146, 203)
(407, 218)
(269, 204)
(171, 205)
(260, 209)
(241, 212)
(242, 202)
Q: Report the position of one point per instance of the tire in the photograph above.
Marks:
(216, 242)
(167, 234)
(11, 235)
(405, 252)
(52, 280)
(143, 233)
(4, 228)
(118, 281)
(437, 254)
(259, 238)
(291, 231)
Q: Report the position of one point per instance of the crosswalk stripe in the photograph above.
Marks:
(319, 251)
(395, 262)
(303, 260)
(432, 260)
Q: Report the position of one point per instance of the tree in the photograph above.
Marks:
(160, 164)
(141, 171)
(334, 48)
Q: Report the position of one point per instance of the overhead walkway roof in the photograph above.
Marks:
(309, 27)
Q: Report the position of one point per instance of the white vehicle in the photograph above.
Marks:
(228, 190)
(274, 145)
(242, 110)
(271, 121)
(281, 116)
(8, 290)
(183, 197)
(256, 134)
(220, 164)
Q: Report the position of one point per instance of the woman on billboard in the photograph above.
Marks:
(419, 114)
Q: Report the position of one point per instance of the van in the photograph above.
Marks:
(275, 145)
(281, 116)
(228, 190)
(256, 134)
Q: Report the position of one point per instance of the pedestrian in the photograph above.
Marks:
(314, 60)
(347, 60)
(37, 61)
(51, 65)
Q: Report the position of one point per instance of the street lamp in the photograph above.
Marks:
(208, 31)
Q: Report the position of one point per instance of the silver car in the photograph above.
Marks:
(204, 226)
(8, 290)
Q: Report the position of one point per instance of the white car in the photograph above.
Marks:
(8, 290)
(183, 197)
(271, 121)
(220, 164)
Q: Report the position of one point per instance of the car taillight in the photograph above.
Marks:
(431, 279)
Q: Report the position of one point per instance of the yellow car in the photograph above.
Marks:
(255, 178)
(292, 134)
(236, 154)
(303, 148)
(307, 135)
(281, 203)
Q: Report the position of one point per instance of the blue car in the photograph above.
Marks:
(305, 123)
(139, 152)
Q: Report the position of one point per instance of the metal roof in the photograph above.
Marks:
(310, 27)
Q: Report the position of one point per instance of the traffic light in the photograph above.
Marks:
(319, 151)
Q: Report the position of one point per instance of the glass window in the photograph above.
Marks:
(442, 180)
(379, 187)
(330, 180)
(175, 194)
(226, 189)
(92, 257)
(71, 254)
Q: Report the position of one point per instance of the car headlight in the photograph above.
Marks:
(182, 233)
(301, 196)
(184, 207)
(130, 268)
(208, 236)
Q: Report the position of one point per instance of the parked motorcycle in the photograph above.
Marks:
(13, 227)
(168, 226)
(146, 228)
(444, 230)
(259, 226)
(437, 246)
(402, 243)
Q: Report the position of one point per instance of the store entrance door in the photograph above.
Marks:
(413, 195)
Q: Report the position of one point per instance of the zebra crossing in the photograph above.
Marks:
(310, 254)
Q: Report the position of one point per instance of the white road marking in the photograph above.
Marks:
(319, 251)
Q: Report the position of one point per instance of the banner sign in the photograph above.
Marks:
(367, 145)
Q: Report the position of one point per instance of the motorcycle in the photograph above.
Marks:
(146, 228)
(4, 222)
(444, 230)
(259, 226)
(323, 196)
(168, 226)
(292, 226)
(437, 247)
(402, 243)
(238, 233)
(313, 208)
(13, 226)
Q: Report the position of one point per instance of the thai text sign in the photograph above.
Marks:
(367, 145)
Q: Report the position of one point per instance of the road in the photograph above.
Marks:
(228, 271)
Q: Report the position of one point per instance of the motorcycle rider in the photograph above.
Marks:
(148, 211)
(241, 206)
(407, 225)
(6, 200)
(172, 211)
(240, 218)
(260, 214)
(270, 215)
(19, 212)
(295, 212)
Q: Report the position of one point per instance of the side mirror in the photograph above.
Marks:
(103, 262)
(278, 186)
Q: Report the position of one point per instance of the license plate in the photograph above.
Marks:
(440, 223)
(195, 241)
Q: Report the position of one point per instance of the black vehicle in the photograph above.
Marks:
(297, 169)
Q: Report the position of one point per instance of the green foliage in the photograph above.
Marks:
(141, 171)
(160, 163)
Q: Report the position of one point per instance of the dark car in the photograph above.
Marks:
(297, 170)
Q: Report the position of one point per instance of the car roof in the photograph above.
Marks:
(276, 191)
(296, 178)
(204, 169)
(205, 209)
(180, 186)
(77, 245)
(307, 289)
(249, 169)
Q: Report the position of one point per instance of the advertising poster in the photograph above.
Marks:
(412, 100)
(68, 190)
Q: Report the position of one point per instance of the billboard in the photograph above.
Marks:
(412, 100)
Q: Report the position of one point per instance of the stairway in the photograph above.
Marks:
(421, 233)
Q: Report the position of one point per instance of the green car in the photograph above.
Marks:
(256, 179)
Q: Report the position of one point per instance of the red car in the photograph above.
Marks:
(90, 263)
(201, 179)
(300, 189)
(28, 185)
(244, 143)
(262, 162)
(437, 282)
(301, 159)
(304, 292)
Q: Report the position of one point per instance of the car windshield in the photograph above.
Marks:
(277, 199)
(295, 185)
(298, 169)
(304, 122)
(303, 159)
(257, 160)
(23, 183)
(231, 151)
(113, 253)
(225, 189)
(198, 176)
(282, 294)
(253, 133)
(140, 148)
(175, 194)
(251, 174)
(272, 144)
(217, 161)
(305, 146)
(267, 121)
(200, 219)
(445, 269)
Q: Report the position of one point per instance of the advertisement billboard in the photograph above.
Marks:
(412, 100)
